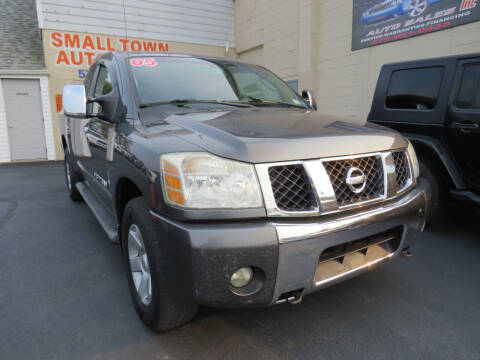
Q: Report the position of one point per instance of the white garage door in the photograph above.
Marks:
(24, 118)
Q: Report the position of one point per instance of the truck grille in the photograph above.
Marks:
(371, 166)
(291, 188)
(402, 169)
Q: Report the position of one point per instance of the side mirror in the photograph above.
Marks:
(309, 98)
(108, 107)
(74, 101)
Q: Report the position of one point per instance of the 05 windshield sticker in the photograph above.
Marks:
(143, 62)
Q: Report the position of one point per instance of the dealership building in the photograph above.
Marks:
(334, 47)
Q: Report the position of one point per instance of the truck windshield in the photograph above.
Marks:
(160, 80)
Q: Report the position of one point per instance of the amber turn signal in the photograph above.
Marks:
(172, 183)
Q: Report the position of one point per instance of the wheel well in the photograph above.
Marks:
(126, 190)
(431, 159)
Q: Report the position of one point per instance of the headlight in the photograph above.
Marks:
(413, 158)
(203, 181)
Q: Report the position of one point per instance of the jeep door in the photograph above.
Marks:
(462, 127)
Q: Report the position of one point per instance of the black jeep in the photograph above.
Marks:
(435, 103)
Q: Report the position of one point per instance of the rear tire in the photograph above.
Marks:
(72, 177)
(157, 308)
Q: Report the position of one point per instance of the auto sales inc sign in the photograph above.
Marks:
(380, 21)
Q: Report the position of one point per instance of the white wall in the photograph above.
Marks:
(5, 155)
(208, 22)
(266, 32)
(4, 142)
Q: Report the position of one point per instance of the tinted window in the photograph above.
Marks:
(414, 88)
(469, 92)
(163, 79)
(103, 85)
(88, 83)
(251, 84)
(104, 82)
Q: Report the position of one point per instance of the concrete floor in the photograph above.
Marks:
(64, 295)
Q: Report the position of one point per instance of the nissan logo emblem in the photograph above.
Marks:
(356, 180)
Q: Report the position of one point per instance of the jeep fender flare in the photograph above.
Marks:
(435, 148)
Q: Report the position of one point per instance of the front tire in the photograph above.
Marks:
(71, 179)
(147, 272)
(436, 195)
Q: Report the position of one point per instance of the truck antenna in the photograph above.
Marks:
(125, 20)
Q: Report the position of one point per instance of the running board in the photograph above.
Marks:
(104, 217)
(466, 196)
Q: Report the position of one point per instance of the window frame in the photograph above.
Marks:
(474, 93)
(97, 76)
(93, 72)
(438, 95)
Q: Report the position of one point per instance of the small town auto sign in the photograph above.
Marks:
(80, 50)
(381, 21)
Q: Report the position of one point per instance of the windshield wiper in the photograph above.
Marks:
(180, 102)
(253, 100)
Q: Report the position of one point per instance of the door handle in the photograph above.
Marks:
(466, 127)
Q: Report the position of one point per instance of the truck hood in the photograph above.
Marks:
(266, 134)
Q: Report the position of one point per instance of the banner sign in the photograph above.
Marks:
(380, 21)
(80, 50)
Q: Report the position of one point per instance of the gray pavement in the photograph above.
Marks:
(64, 295)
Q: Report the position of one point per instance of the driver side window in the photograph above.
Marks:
(104, 82)
(103, 86)
(88, 83)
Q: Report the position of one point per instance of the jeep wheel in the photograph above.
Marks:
(417, 7)
(147, 273)
(71, 179)
(436, 195)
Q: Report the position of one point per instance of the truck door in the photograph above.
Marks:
(462, 128)
(98, 132)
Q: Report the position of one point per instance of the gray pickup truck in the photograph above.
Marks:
(224, 187)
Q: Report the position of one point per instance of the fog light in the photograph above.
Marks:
(241, 277)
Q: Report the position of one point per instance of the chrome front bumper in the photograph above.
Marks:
(301, 243)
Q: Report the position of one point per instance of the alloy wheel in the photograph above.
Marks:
(417, 7)
(139, 266)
